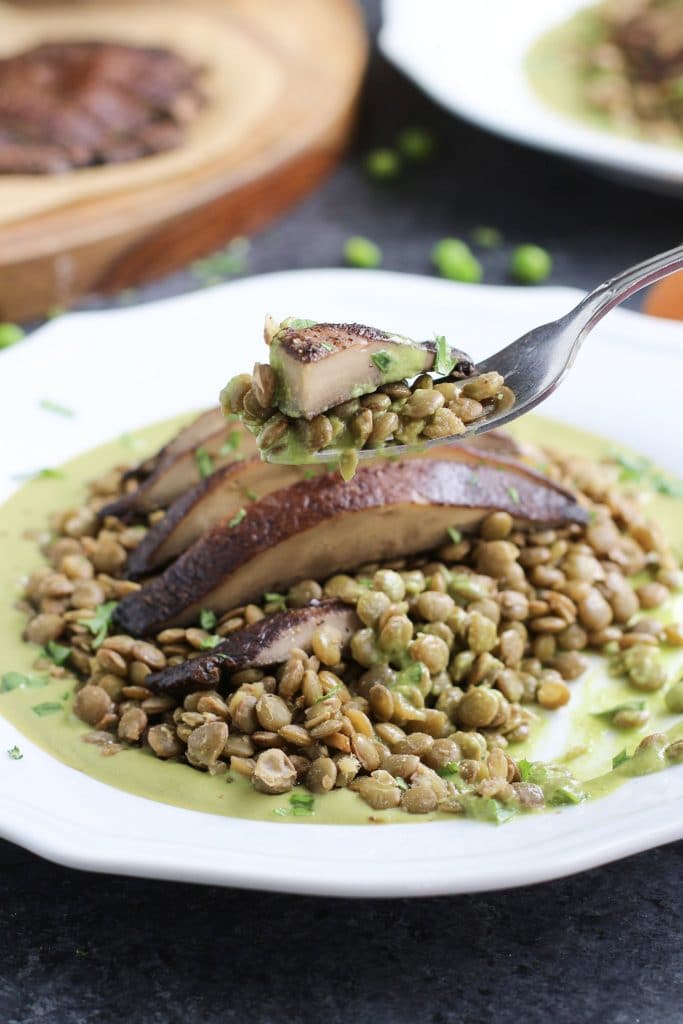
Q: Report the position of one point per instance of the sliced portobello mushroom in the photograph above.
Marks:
(190, 437)
(321, 526)
(236, 485)
(219, 496)
(267, 642)
(179, 470)
(318, 366)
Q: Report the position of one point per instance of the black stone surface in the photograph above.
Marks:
(605, 946)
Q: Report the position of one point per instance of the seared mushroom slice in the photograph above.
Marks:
(194, 434)
(219, 496)
(318, 366)
(318, 527)
(267, 642)
(178, 470)
(237, 484)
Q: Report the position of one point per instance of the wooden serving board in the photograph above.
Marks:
(282, 78)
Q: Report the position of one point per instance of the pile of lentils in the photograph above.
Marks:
(400, 413)
(457, 652)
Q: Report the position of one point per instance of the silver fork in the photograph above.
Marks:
(535, 364)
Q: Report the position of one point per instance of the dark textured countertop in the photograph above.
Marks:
(605, 946)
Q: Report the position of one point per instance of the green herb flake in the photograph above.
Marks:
(628, 705)
(301, 803)
(207, 619)
(57, 653)
(309, 474)
(454, 534)
(298, 323)
(366, 582)
(444, 362)
(514, 495)
(401, 783)
(60, 410)
(48, 707)
(204, 462)
(411, 675)
(620, 759)
(330, 693)
(232, 259)
(325, 345)
(280, 600)
(564, 795)
(382, 360)
(449, 770)
(251, 495)
(41, 474)
(98, 624)
(15, 753)
(238, 517)
(16, 681)
(524, 767)
(231, 443)
(209, 642)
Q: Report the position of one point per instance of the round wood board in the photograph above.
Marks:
(282, 77)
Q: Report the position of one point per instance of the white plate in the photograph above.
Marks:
(470, 58)
(122, 369)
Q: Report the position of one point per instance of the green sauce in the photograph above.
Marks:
(554, 68)
(136, 771)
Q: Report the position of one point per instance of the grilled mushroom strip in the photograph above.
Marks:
(267, 642)
(192, 456)
(238, 484)
(318, 366)
(317, 527)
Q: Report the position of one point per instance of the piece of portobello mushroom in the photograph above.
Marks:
(318, 366)
(181, 469)
(267, 642)
(236, 485)
(219, 496)
(321, 526)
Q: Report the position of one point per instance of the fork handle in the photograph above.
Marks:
(610, 294)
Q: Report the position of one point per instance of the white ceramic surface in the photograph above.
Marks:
(121, 370)
(470, 58)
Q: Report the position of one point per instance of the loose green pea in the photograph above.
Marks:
(10, 334)
(416, 144)
(361, 252)
(454, 260)
(529, 264)
(383, 164)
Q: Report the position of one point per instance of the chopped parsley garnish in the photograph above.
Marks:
(401, 783)
(204, 462)
(448, 770)
(15, 753)
(454, 534)
(280, 600)
(207, 619)
(565, 795)
(411, 675)
(628, 705)
(382, 360)
(309, 474)
(621, 757)
(488, 809)
(298, 324)
(57, 653)
(60, 410)
(300, 803)
(238, 517)
(231, 443)
(327, 346)
(48, 707)
(641, 469)
(524, 767)
(514, 495)
(41, 474)
(17, 681)
(444, 363)
(330, 693)
(252, 495)
(232, 259)
(366, 582)
(98, 624)
(211, 641)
